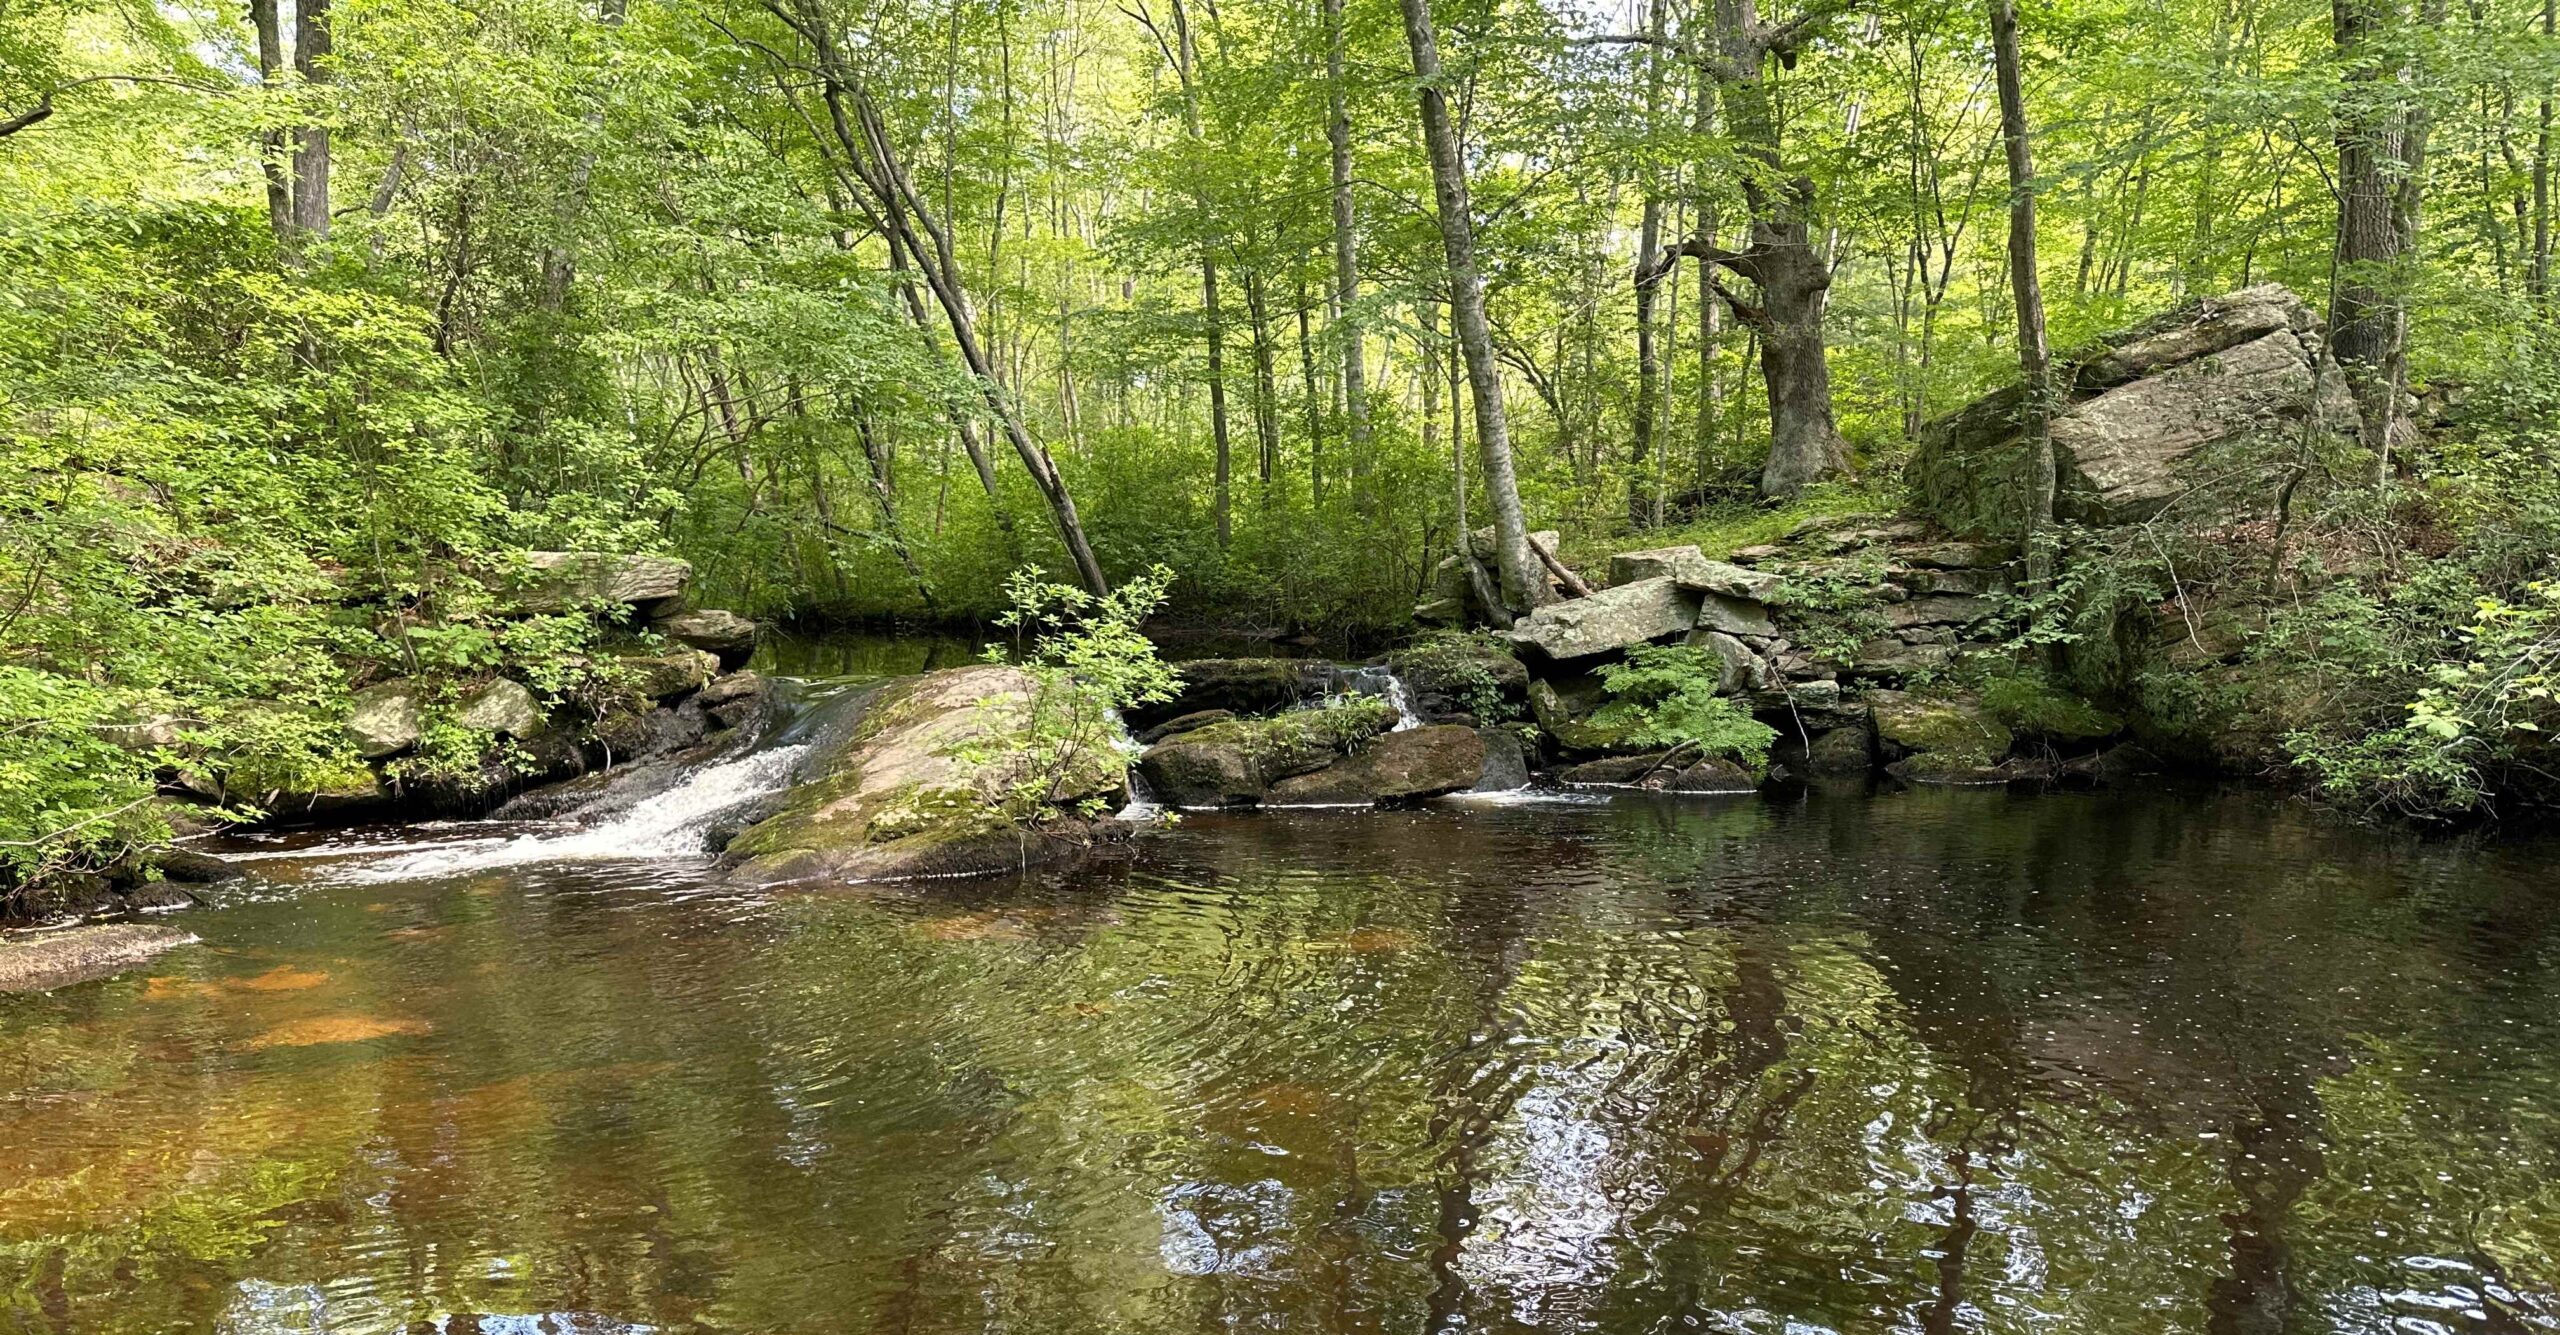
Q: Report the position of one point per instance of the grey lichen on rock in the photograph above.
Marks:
(504, 707)
(1612, 619)
(2144, 407)
(711, 629)
(386, 719)
(1693, 569)
(922, 786)
(563, 581)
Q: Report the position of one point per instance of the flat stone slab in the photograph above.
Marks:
(1693, 570)
(49, 960)
(1612, 619)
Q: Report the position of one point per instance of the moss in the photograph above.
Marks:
(2030, 704)
(1301, 739)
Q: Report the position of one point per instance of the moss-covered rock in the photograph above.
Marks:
(928, 783)
(1394, 767)
(1564, 710)
(1232, 762)
(1945, 738)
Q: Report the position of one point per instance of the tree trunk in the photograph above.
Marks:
(1314, 395)
(2539, 277)
(272, 147)
(1524, 586)
(311, 146)
(1346, 245)
(1266, 381)
(2034, 366)
(560, 258)
(2364, 312)
(1641, 512)
(1218, 398)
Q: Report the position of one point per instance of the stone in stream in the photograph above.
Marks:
(1391, 767)
(1506, 762)
(668, 675)
(1192, 722)
(1237, 685)
(49, 960)
(385, 720)
(1233, 761)
(1564, 708)
(916, 787)
(189, 867)
(1939, 738)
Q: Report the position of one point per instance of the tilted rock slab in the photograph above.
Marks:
(914, 789)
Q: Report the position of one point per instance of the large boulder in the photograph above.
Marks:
(726, 634)
(563, 581)
(1939, 738)
(1610, 620)
(386, 719)
(671, 674)
(506, 708)
(1392, 767)
(1234, 762)
(2143, 410)
(917, 786)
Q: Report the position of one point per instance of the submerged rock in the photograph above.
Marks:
(917, 788)
(82, 954)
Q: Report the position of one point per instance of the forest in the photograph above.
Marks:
(318, 318)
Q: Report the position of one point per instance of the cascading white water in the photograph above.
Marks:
(1385, 685)
(673, 823)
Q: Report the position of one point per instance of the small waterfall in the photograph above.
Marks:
(1385, 685)
(1142, 804)
(675, 822)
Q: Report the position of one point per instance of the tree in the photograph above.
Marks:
(1524, 585)
(2034, 363)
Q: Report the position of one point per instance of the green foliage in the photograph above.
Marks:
(1665, 695)
(1454, 663)
(1088, 662)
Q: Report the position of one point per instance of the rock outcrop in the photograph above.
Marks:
(917, 787)
(2146, 409)
(1393, 767)
(565, 581)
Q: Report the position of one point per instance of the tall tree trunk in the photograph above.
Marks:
(1218, 398)
(1314, 395)
(2364, 309)
(2034, 366)
(1524, 585)
(1346, 245)
(1266, 385)
(1641, 512)
(272, 144)
(311, 143)
(2539, 275)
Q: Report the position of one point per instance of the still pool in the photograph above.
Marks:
(1937, 1060)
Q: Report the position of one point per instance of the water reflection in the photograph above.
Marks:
(1942, 1061)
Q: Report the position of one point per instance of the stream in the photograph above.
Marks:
(2159, 1059)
